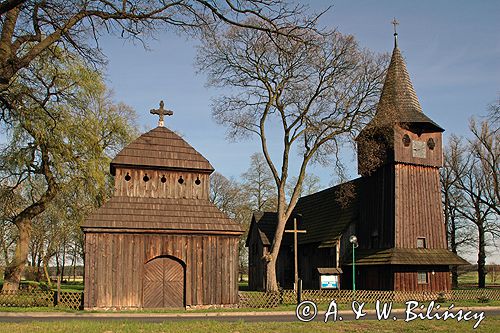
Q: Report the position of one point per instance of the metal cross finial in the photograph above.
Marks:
(161, 112)
(395, 23)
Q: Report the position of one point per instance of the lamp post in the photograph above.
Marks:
(354, 241)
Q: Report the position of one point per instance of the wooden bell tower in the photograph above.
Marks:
(399, 156)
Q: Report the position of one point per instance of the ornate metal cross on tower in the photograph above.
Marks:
(295, 232)
(161, 112)
(395, 23)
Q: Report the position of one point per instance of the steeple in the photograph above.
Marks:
(398, 102)
(398, 120)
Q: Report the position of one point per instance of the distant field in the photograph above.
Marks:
(470, 280)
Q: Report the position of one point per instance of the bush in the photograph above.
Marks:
(483, 299)
(441, 298)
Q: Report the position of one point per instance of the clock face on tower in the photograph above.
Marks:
(418, 149)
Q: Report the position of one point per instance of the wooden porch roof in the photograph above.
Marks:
(404, 256)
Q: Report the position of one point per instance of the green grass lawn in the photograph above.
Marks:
(488, 325)
(470, 278)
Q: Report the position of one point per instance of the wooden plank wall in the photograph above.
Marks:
(154, 188)
(376, 216)
(405, 154)
(114, 268)
(310, 258)
(406, 278)
(419, 212)
(256, 267)
(377, 277)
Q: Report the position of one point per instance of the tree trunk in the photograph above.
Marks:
(271, 282)
(38, 268)
(453, 245)
(272, 257)
(14, 270)
(63, 261)
(47, 275)
(74, 263)
(57, 264)
(481, 258)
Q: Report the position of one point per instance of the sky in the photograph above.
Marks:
(452, 52)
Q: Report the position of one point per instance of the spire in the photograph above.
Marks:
(398, 102)
(398, 93)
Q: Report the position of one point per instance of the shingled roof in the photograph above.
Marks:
(161, 148)
(122, 212)
(324, 215)
(399, 102)
(404, 256)
(265, 222)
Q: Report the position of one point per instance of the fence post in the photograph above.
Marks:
(55, 297)
(82, 301)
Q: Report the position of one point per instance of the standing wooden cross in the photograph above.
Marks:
(161, 112)
(295, 232)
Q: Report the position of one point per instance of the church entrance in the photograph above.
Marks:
(163, 283)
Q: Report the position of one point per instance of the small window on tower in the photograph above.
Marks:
(197, 181)
(127, 177)
(163, 179)
(431, 144)
(422, 278)
(421, 243)
(406, 140)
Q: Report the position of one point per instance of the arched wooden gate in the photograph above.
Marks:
(163, 283)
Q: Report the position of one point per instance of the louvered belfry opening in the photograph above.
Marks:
(159, 242)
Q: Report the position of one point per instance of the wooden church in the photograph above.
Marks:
(159, 242)
(394, 209)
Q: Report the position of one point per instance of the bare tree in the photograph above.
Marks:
(486, 149)
(258, 185)
(458, 231)
(225, 194)
(314, 92)
(28, 28)
(476, 171)
(310, 184)
(228, 196)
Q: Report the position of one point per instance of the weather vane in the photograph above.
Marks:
(395, 23)
(161, 112)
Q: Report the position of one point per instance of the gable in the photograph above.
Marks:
(161, 148)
